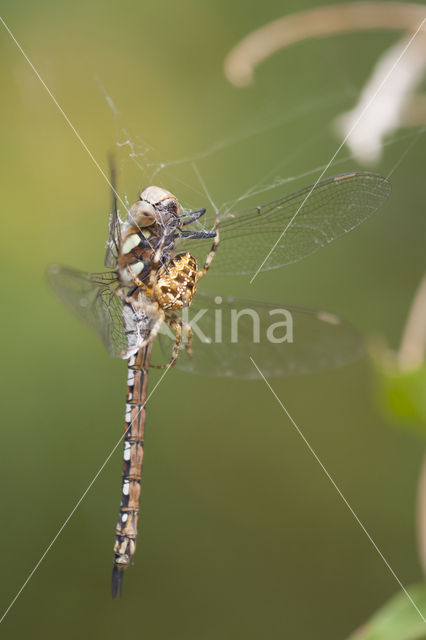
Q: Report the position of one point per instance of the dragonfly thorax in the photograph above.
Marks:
(136, 251)
(150, 220)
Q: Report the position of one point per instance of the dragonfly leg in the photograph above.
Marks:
(193, 216)
(195, 234)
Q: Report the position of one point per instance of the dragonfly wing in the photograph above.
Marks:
(92, 296)
(114, 235)
(293, 227)
(280, 340)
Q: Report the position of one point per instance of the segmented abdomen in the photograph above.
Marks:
(127, 525)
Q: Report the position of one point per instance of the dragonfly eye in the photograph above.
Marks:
(142, 214)
(161, 199)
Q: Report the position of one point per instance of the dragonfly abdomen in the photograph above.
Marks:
(127, 525)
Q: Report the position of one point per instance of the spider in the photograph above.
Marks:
(160, 282)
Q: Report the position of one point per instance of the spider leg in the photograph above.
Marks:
(187, 328)
(128, 298)
(155, 262)
(212, 251)
(175, 323)
(152, 335)
(150, 309)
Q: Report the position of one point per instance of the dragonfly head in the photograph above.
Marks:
(154, 205)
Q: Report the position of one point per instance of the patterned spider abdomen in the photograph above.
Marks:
(176, 282)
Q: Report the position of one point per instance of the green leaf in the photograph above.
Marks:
(398, 619)
(402, 394)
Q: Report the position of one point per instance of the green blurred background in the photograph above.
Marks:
(243, 535)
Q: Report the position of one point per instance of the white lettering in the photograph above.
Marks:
(287, 323)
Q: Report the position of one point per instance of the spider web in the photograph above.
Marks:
(196, 177)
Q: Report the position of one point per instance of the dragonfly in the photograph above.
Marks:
(156, 258)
